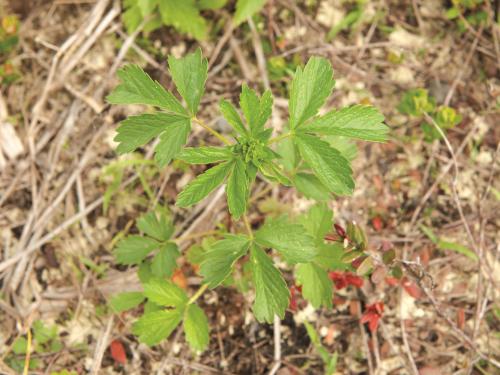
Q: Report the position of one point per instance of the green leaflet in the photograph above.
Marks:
(317, 287)
(172, 140)
(271, 292)
(156, 225)
(232, 117)
(133, 249)
(246, 9)
(318, 221)
(344, 145)
(331, 168)
(218, 261)
(136, 131)
(184, 16)
(205, 155)
(147, 6)
(203, 185)
(137, 87)
(289, 239)
(126, 301)
(309, 185)
(358, 121)
(309, 90)
(164, 293)
(155, 326)
(196, 328)
(164, 262)
(330, 257)
(256, 110)
(190, 74)
(211, 4)
(237, 189)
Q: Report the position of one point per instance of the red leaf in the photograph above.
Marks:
(118, 352)
(354, 280)
(340, 231)
(372, 315)
(338, 278)
(180, 279)
(372, 320)
(392, 281)
(357, 262)
(411, 288)
(377, 223)
(343, 279)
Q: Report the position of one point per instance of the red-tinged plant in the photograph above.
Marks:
(344, 279)
(409, 286)
(377, 223)
(392, 281)
(295, 291)
(118, 352)
(340, 231)
(372, 315)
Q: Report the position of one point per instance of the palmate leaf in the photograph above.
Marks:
(331, 168)
(203, 185)
(164, 262)
(271, 292)
(218, 261)
(317, 287)
(358, 121)
(153, 327)
(289, 239)
(237, 189)
(156, 225)
(309, 89)
(190, 74)
(137, 87)
(205, 155)
(196, 328)
(184, 16)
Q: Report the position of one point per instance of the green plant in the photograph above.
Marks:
(417, 102)
(302, 155)
(465, 12)
(8, 42)
(329, 360)
(45, 340)
(185, 16)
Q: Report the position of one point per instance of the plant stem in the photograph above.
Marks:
(248, 226)
(212, 131)
(28, 353)
(198, 293)
(279, 138)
